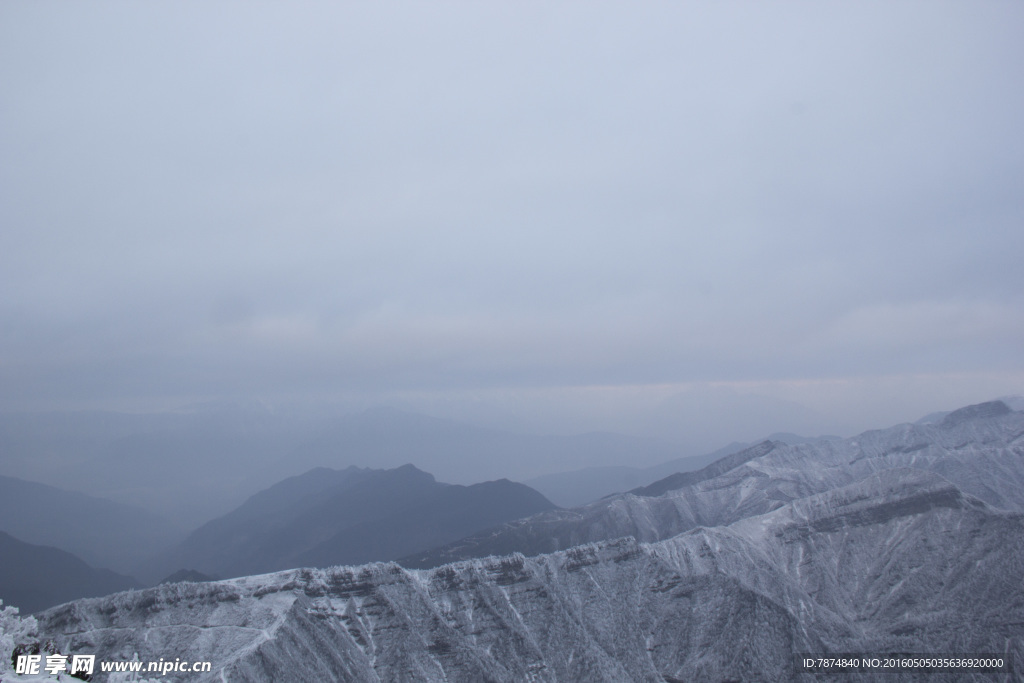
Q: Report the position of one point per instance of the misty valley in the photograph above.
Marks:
(725, 566)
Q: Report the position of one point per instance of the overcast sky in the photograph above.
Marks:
(556, 205)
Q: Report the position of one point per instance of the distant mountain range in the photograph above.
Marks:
(968, 447)
(101, 532)
(151, 460)
(327, 517)
(35, 577)
(155, 460)
(1011, 402)
(465, 454)
(904, 540)
(187, 466)
(579, 487)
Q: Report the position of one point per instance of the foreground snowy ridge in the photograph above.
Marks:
(869, 559)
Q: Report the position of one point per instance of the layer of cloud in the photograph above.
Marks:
(277, 200)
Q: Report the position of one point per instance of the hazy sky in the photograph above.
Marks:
(556, 205)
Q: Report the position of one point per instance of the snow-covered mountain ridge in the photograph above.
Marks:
(892, 563)
(980, 449)
(889, 542)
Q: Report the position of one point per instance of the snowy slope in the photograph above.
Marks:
(908, 539)
(979, 448)
(893, 563)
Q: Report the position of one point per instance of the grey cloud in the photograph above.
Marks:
(225, 200)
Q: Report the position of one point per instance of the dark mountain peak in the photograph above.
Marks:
(328, 517)
(500, 491)
(410, 472)
(34, 577)
(317, 472)
(975, 412)
(303, 487)
(102, 532)
(715, 469)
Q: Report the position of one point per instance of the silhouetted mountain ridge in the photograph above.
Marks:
(100, 531)
(153, 459)
(326, 517)
(35, 577)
